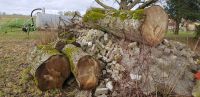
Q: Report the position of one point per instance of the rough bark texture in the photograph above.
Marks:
(49, 68)
(149, 30)
(85, 68)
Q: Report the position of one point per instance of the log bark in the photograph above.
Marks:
(150, 29)
(85, 68)
(49, 67)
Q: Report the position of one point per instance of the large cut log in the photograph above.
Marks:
(49, 67)
(146, 26)
(85, 68)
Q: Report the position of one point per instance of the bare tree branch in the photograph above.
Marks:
(133, 4)
(104, 5)
(117, 1)
(147, 3)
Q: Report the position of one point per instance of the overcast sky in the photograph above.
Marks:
(51, 6)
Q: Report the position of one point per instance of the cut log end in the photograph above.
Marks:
(155, 25)
(147, 26)
(53, 72)
(88, 71)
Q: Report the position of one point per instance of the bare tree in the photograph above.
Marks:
(128, 4)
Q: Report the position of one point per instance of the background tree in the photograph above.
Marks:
(128, 4)
(187, 9)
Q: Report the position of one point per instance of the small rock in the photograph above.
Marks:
(101, 91)
(155, 52)
(102, 95)
(114, 62)
(167, 51)
(161, 47)
(83, 94)
(136, 51)
(102, 85)
(135, 77)
(114, 94)
(105, 37)
(165, 42)
(132, 45)
(109, 85)
(104, 72)
(89, 44)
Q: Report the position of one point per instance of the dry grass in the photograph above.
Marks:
(46, 37)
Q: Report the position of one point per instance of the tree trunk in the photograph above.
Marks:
(49, 68)
(85, 68)
(123, 5)
(177, 28)
(149, 30)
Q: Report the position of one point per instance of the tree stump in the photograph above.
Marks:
(49, 67)
(146, 26)
(85, 68)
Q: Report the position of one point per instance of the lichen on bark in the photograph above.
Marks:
(95, 14)
(48, 49)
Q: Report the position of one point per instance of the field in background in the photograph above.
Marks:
(185, 37)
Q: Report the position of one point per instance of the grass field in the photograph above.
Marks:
(181, 34)
(11, 28)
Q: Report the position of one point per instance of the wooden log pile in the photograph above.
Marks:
(51, 66)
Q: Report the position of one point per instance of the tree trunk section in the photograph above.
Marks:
(49, 68)
(149, 30)
(177, 28)
(85, 68)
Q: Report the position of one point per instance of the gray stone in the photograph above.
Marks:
(102, 95)
(105, 37)
(104, 72)
(155, 52)
(167, 51)
(109, 85)
(136, 77)
(136, 51)
(101, 91)
(114, 94)
(132, 45)
(165, 42)
(83, 94)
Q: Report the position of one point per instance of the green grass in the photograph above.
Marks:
(16, 33)
(11, 28)
(182, 34)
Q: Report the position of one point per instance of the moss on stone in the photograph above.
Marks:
(48, 49)
(123, 15)
(196, 89)
(2, 94)
(99, 10)
(93, 16)
(69, 41)
(138, 14)
(198, 61)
